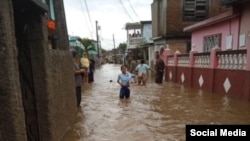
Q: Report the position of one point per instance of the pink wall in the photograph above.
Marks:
(245, 29)
(225, 28)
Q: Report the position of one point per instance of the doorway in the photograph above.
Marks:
(25, 17)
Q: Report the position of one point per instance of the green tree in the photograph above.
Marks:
(88, 45)
(122, 46)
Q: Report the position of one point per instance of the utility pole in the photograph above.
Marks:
(114, 47)
(97, 38)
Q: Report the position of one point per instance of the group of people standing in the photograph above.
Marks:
(84, 69)
(139, 74)
(140, 70)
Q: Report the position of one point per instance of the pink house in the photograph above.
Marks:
(220, 57)
(216, 31)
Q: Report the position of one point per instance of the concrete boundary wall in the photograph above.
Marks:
(47, 98)
(220, 72)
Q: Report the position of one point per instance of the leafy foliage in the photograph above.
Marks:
(122, 46)
(88, 45)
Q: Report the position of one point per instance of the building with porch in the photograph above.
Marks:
(219, 60)
(139, 40)
(134, 39)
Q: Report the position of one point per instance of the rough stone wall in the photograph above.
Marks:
(54, 81)
(55, 92)
(62, 92)
(12, 122)
(53, 78)
(60, 68)
(54, 89)
(62, 41)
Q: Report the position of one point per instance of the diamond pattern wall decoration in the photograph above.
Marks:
(227, 85)
(201, 80)
(182, 77)
(170, 75)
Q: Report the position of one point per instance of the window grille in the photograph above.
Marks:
(195, 10)
(211, 41)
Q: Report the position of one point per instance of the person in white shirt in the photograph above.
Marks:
(124, 79)
(142, 70)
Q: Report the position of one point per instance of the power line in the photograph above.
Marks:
(133, 10)
(126, 10)
(86, 5)
(136, 14)
(85, 18)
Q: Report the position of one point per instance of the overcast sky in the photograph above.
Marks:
(112, 15)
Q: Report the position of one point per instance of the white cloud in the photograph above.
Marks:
(110, 15)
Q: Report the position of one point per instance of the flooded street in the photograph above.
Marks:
(153, 113)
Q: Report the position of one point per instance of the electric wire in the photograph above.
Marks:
(126, 11)
(86, 5)
(145, 31)
(133, 10)
(85, 18)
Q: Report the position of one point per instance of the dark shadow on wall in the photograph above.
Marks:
(24, 15)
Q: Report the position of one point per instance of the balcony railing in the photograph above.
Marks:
(202, 60)
(232, 59)
(183, 60)
(134, 42)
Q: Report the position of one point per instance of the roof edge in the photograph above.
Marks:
(213, 20)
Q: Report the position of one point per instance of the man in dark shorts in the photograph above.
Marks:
(124, 79)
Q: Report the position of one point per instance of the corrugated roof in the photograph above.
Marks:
(136, 25)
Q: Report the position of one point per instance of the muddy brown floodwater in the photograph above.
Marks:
(153, 113)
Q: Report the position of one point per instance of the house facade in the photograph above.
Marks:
(139, 40)
(37, 82)
(169, 17)
(134, 39)
(147, 48)
(219, 59)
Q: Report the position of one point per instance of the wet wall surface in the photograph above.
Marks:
(153, 113)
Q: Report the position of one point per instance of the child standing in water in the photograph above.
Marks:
(124, 79)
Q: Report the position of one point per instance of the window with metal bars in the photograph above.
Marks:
(195, 10)
(211, 41)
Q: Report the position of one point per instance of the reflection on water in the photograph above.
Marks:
(153, 113)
